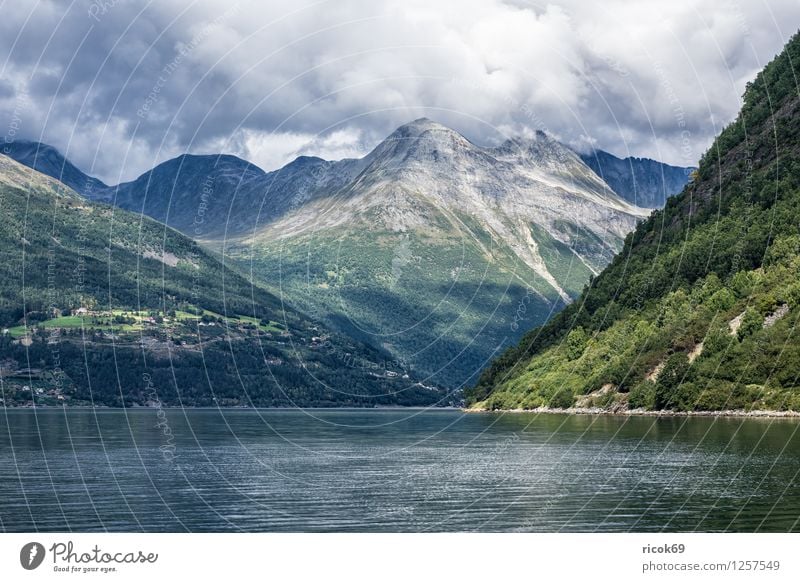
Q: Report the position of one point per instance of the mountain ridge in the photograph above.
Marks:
(239, 173)
(49, 161)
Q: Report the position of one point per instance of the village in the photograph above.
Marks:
(114, 322)
(27, 381)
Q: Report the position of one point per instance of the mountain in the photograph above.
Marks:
(430, 247)
(218, 197)
(640, 181)
(50, 162)
(440, 250)
(213, 196)
(101, 306)
(699, 310)
(182, 191)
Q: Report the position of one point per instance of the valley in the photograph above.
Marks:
(433, 251)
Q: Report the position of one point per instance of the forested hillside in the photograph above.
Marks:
(699, 310)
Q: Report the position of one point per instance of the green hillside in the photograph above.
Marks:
(102, 306)
(699, 310)
(441, 302)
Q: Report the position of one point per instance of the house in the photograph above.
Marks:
(81, 311)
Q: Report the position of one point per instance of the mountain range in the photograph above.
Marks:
(700, 309)
(431, 248)
(100, 306)
(248, 197)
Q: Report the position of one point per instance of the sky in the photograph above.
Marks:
(120, 85)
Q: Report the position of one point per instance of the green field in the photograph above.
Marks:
(107, 323)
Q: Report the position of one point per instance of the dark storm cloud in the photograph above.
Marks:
(120, 85)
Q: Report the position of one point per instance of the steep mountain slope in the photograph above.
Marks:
(98, 305)
(699, 310)
(440, 250)
(50, 162)
(640, 181)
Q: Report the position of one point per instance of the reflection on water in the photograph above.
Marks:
(394, 470)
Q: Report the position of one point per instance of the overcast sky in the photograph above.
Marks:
(122, 85)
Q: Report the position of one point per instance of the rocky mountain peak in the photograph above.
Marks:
(421, 140)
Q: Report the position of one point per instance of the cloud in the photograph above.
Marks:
(120, 86)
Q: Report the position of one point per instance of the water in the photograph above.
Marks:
(394, 470)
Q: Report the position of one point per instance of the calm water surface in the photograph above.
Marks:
(394, 470)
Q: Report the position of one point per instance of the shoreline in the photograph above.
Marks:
(642, 412)
(186, 407)
(540, 410)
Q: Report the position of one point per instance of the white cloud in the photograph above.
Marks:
(267, 80)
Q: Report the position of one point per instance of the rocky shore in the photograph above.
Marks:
(641, 412)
